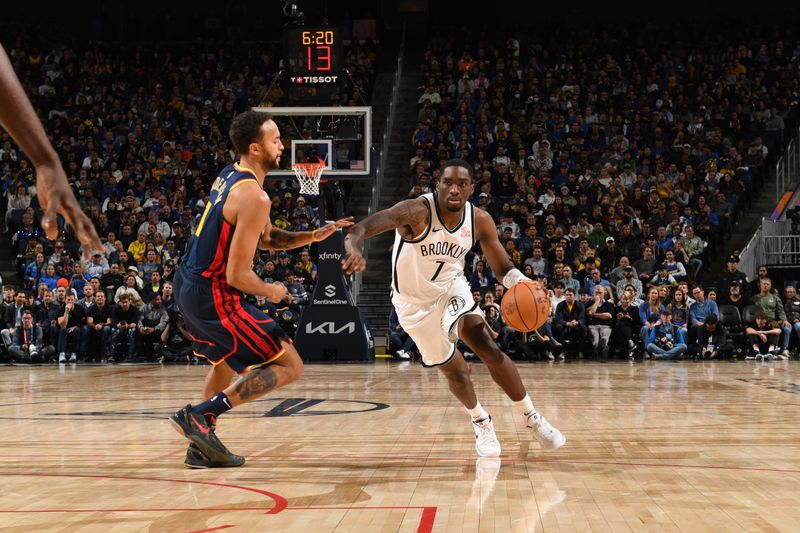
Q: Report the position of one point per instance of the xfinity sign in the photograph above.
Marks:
(330, 328)
(328, 255)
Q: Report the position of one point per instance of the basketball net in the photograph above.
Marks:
(309, 174)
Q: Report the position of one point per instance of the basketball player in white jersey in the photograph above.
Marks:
(433, 300)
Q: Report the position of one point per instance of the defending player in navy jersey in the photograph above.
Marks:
(235, 336)
(433, 300)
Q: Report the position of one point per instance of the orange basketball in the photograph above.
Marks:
(525, 306)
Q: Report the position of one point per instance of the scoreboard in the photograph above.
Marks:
(313, 63)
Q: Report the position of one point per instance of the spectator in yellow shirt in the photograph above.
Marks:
(138, 247)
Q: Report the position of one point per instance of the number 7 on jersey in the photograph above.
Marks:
(438, 269)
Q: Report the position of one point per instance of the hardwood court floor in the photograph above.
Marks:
(382, 448)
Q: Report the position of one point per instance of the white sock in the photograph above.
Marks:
(526, 406)
(478, 412)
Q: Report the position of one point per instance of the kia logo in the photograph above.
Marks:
(329, 328)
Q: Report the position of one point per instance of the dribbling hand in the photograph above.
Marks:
(353, 262)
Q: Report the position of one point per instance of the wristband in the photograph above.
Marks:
(513, 277)
(313, 237)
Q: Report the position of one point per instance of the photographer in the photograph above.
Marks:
(176, 341)
(712, 340)
(666, 340)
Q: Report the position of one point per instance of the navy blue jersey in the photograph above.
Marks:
(225, 327)
(207, 254)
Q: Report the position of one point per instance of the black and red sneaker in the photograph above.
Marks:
(194, 427)
(197, 459)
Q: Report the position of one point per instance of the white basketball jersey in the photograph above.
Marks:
(423, 268)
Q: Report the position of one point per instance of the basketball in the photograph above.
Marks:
(525, 306)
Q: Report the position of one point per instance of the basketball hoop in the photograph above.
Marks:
(309, 174)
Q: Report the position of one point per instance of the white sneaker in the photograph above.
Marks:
(549, 437)
(786, 353)
(402, 354)
(73, 358)
(550, 356)
(486, 442)
(62, 358)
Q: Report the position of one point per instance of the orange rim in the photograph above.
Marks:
(311, 170)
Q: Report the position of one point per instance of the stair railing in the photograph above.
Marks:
(377, 184)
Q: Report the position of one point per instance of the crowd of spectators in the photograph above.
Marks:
(616, 164)
(141, 131)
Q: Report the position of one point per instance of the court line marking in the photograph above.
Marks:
(280, 502)
(213, 529)
(426, 521)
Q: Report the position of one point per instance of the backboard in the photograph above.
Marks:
(339, 136)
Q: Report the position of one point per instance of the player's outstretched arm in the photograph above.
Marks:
(504, 270)
(274, 238)
(409, 213)
(20, 121)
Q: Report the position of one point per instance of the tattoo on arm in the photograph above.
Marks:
(257, 383)
(405, 213)
(286, 240)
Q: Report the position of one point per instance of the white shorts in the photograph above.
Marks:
(433, 325)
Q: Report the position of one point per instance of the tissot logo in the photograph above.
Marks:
(316, 79)
(330, 291)
(330, 328)
(327, 255)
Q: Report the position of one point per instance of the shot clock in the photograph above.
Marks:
(312, 62)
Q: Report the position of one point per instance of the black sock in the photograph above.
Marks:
(214, 407)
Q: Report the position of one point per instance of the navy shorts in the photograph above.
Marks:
(225, 327)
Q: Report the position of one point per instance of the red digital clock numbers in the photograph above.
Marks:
(312, 62)
(319, 57)
(318, 45)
